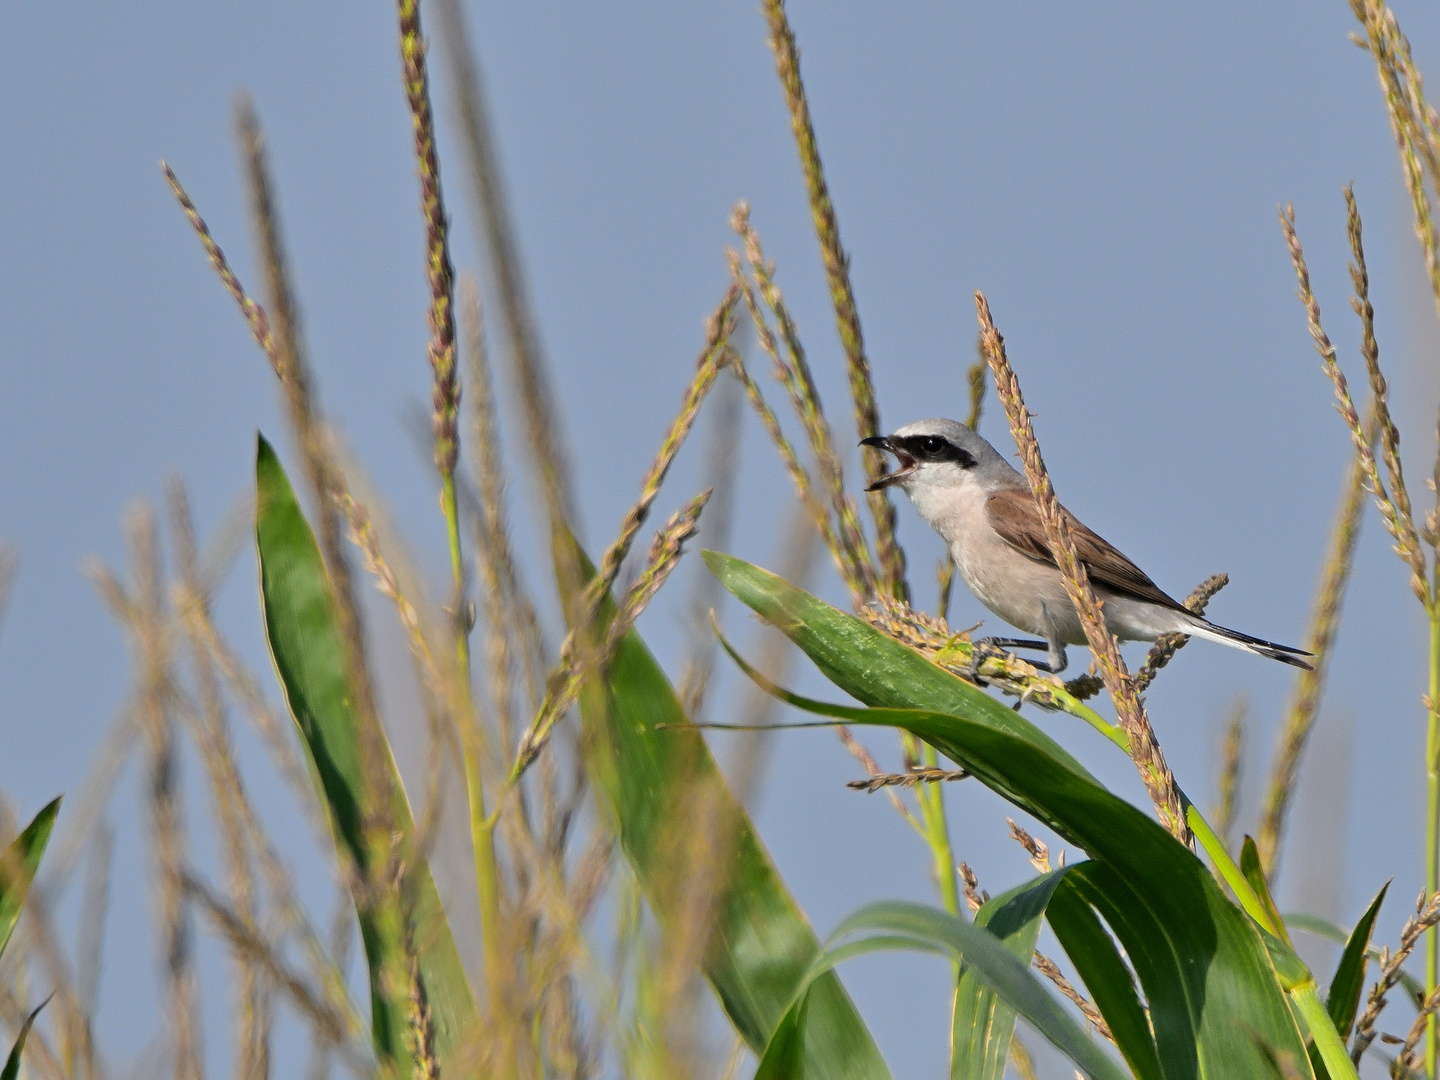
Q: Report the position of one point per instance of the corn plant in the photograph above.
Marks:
(590, 791)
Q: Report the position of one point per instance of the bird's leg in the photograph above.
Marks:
(1016, 643)
(988, 647)
(1057, 660)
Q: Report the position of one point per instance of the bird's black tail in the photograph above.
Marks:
(1236, 640)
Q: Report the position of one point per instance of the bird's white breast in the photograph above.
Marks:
(1008, 583)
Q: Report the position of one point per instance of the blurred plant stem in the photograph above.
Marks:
(931, 798)
(1432, 827)
(416, 77)
(932, 826)
(472, 742)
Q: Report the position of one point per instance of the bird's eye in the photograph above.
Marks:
(932, 445)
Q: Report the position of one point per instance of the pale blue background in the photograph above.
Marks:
(1108, 174)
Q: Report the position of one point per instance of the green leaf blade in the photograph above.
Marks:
(12, 1063)
(650, 761)
(891, 676)
(1254, 872)
(983, 1022)
(1215, 997)
(992, 959)
(1343, 999)
(1110, 984)
(305, 646)
(21, 861)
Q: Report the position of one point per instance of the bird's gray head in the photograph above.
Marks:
(940, 455)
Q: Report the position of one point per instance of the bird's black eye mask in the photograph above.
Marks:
(932, 448)
(914, 450)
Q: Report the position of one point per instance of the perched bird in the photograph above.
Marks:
(983, 508)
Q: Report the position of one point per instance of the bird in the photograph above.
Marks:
(983, 509)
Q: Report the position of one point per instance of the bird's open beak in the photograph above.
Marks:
(907, 463)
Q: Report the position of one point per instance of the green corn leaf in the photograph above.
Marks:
(866, 664)
(1254, 873)
(659, 779)
(17, 870)
(986, 956)
(12, 1063)
(1330, 931)
(984, 1021)
(1110, 983)
(784, 1057)
(1216, 1001)
(1343, 998)
(309, 662)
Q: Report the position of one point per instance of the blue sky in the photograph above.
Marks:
(1107, 174)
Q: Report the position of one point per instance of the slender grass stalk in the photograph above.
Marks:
(975, 380)
(804, 487)
(9, 560)
(722, 459)
(152, 637)
(217, 756)
(1432, 827)
(415, 74)
(244, 937)
(1416, 129)
(1395, 514)
(842, 293)
(254, 314)
(548, 456)
(281, 344)
(1144, 748)
(508, 609)
(795, 375)
(1231, 763)
(1051, 971)
(563, 688)
(660, 563)
(1405, 1060)
(1426, 915)
(436, 679)
(95, 893)
(1319, 641)
(1413, 122)
(937, 833)
(564, 680)
(288, 357)
(917, 775)
(719, 327)
(501, 252)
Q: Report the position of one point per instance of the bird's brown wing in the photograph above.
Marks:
(1013, 515)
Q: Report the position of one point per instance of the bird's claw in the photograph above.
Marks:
(980, 651)
(988, 648)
